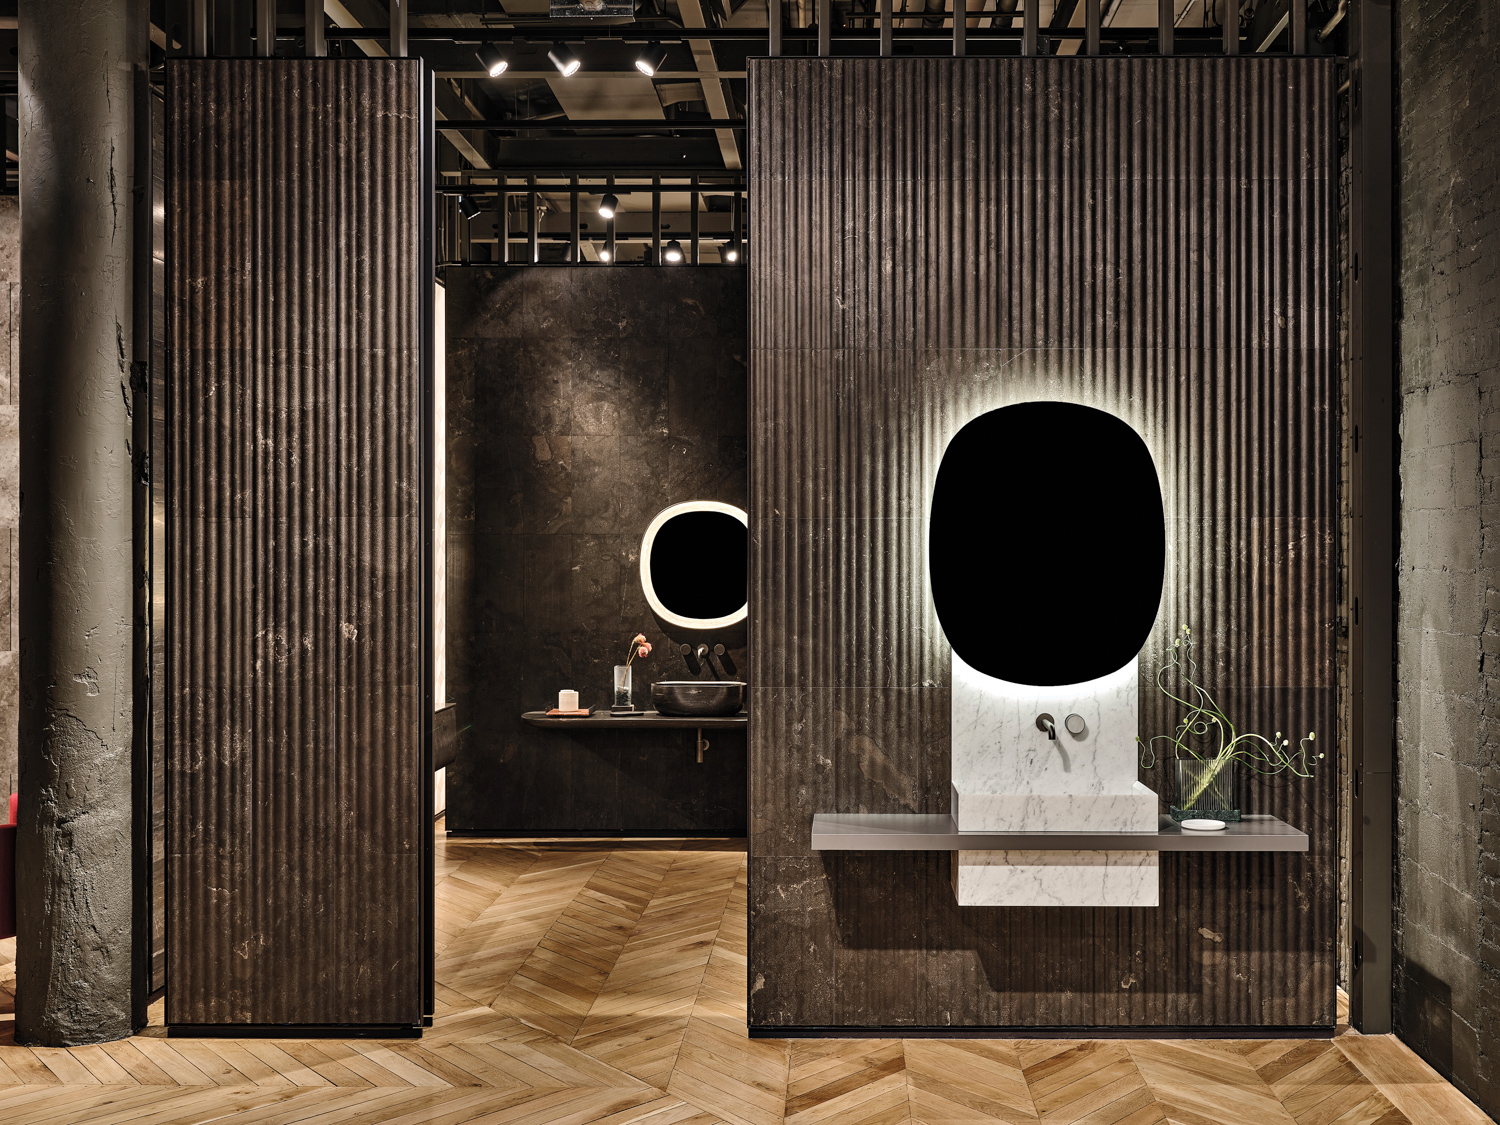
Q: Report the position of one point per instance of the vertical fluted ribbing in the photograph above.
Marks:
(292, 444)
(933, 238)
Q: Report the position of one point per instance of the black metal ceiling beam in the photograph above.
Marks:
(628, 125)
(543, 33)
(550, 32)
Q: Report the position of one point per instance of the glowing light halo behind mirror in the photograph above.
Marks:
(695, 564)
(1046, 543)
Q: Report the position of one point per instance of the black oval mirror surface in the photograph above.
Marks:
(699, 565)
(1046, 543)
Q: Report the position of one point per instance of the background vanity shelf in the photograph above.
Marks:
(936, 832)
(651, 720)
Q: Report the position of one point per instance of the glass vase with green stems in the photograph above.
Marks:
(1210, 745)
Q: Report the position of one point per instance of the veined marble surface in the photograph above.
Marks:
(997, 747)
(1056, 878)
(1135, 811)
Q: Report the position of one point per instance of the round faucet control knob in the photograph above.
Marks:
(1075, 724)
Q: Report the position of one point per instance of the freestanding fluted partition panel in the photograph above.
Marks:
(935, 238)
(296, 281)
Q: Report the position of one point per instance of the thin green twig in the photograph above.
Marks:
(1205, 721)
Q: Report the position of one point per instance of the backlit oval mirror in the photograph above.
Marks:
(1046, 543)
(695, 564)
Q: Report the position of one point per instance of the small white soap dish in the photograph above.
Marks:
(1203, 825)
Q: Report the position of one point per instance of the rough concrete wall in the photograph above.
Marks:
(10, 493)
(1448, 617)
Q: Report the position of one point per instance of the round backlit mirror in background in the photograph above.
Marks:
(695, 564)
(1046, 543)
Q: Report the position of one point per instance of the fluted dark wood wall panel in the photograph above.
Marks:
(934, 238)
(294, 678)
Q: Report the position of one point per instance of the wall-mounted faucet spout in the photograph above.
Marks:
(1044, 722)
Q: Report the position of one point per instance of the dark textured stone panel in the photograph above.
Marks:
(938, 238)
(792, 942)
(581, 403)
(294, 705)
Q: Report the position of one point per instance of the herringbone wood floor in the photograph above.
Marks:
(604, 981)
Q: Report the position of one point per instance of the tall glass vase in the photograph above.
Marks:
(1205, 789)
(623, 696)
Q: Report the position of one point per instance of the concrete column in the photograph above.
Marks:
(73, 849)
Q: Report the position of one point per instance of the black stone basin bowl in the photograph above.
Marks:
(698, 697)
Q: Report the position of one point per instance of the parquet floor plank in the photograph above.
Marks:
(430, 1106)
(60, 1061)
(1412, 1086)
(140, 1068)
(573, 1106)
(603, 982)
(17, 1101)
(197, 1062)
(955, 1080)
(370, 1107)
(102, 1066)
(382, 1055)
(1214, 1082)
(27, 1067)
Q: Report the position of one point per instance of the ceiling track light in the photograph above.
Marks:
(608, 206)
(651, 59)
(495, 64)
(468, 208)
(673, 251)
(564, 59)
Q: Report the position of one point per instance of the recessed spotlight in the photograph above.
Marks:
(732, 252)
(467, 207)
(608, 205)
(495, 64)
(604, 255)
(651, 60)
(564, 59)
(673, 252)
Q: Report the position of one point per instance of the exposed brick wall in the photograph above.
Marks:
(1448, 616)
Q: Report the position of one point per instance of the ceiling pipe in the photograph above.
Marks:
(316, 43)
(265, 28)
(1338, 17)
(399, 30)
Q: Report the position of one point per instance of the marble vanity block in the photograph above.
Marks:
(1056, 878)
(1008, 776)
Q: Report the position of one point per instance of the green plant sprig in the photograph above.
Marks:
(1204, 719)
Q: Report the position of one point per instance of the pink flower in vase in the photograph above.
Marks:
(639, 646)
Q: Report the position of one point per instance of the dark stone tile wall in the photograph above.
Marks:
(580, 403)
(935, 238)
(1447, 945)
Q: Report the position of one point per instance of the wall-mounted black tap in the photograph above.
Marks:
(702, 656)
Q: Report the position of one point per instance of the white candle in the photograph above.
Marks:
(567, 700)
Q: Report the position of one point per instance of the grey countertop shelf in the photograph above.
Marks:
(936, 832)
(649, 720)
